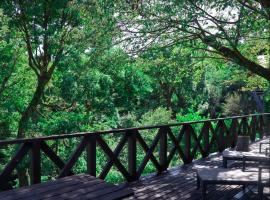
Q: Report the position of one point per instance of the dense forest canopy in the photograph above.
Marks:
(79, 65)
(70, 65)
(76, 64)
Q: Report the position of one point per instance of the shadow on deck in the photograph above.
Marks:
(180, 183)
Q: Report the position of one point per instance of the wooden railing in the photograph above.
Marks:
(190, 140)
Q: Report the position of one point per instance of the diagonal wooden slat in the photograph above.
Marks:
(116, 153)
(146, 149)
(176, 142)
(149, 153)
(214, 136)
(53, 156)
(197, 142)
(112, 156)
(74, 157)
(14, 162)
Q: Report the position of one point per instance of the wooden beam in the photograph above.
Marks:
(74, 157)
(116, 153)
(91, 153)
(35, 168)
(17, 158)
(132, 154)
(53, 156)
(103, 145)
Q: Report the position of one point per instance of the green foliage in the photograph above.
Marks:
(95, 82)
(233, 105)
(238, 104)
(129, 120)
(158, 116)
(192, 116)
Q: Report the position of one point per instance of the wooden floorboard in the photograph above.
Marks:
(82, 187)
(180, 183)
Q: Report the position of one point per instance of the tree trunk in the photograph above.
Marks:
(31, 108)
(22, 172)
(23, 177)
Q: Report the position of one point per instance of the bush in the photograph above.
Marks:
(129, 120)
(192, 116)
(158, 116)
(233, 105)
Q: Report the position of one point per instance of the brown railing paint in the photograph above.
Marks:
(221, 136)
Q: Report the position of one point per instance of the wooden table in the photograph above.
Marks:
(238, 156)
(80, 187)
(221, 176)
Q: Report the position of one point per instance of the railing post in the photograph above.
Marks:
(187, 140)
(205, 133)
(253, 128)
(132, 155)
(245, 126)
(266, 120)
(91, 155)
(233, 130)
(222, 141)
(261, 126)
(35, 168)
(163, 148)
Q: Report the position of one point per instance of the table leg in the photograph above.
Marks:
(260, 191)
(224, 162)
(198, 182)
(204, 188)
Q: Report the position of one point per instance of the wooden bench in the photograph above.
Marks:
(80, 187)
(220, 176)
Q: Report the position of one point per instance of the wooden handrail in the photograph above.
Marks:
(188, 142)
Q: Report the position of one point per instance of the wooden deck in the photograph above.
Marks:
(180, 183)
(82, 186)
(186, 139)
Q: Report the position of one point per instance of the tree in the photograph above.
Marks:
(51, 30)
(225, 27)
(172, 71)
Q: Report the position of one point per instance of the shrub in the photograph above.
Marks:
(158, 116)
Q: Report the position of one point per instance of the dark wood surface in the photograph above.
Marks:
(181, 140)
(80, 186)
(176, 183)
(180, 183)
(184, 139)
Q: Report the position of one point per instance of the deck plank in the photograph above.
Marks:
(180, 182)
(81, 187)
